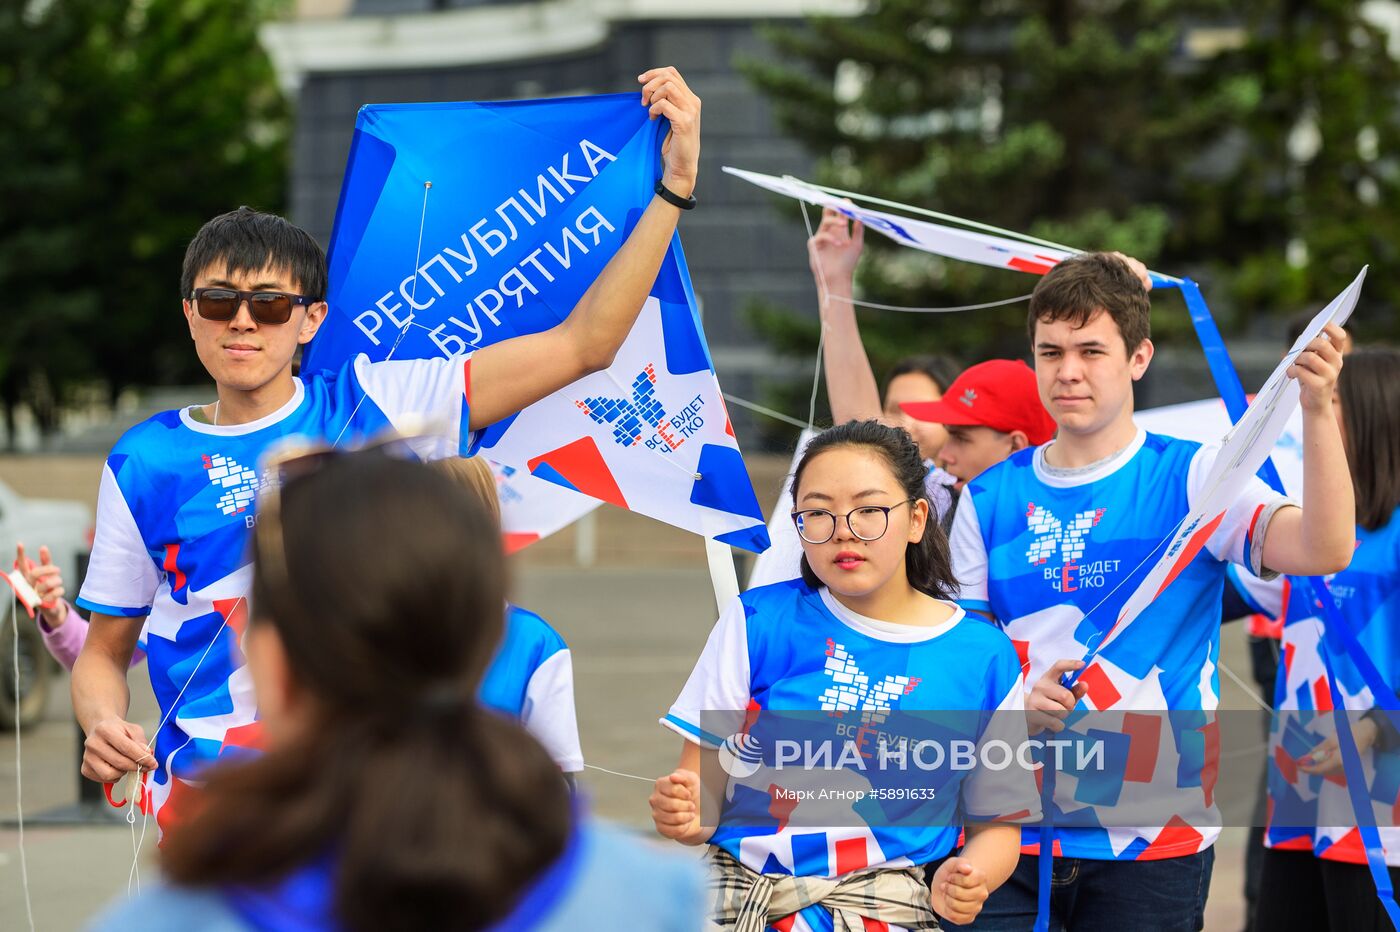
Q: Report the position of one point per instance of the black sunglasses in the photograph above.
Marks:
(267, 307)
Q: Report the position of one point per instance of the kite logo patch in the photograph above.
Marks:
(240, 484)
(642, 419)
(1051, 534)
(1068, 539)
(852, 691)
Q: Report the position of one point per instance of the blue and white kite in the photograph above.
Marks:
(463, 224)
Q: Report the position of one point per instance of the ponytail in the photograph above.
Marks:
(441, 813)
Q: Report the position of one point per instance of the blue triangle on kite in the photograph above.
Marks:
(546, 471)
(753, 539)
(724, 483)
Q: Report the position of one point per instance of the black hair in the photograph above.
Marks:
(938, 367)
(1369, 386)
(927, 563)
(438, 811)
(248, 240)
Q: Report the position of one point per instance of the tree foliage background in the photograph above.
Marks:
(124, 125)
(1248, 144)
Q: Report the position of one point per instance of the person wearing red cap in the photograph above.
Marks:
(990, 411)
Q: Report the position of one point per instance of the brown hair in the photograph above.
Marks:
(473, 474)
(1081, 286)
(435, 811)
(1369, 387)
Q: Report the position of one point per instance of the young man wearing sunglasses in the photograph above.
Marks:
(176, 502)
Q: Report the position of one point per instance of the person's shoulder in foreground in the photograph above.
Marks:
(622, 881)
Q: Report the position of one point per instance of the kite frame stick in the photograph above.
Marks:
(936, 215)
(950, 218)
(723, 577)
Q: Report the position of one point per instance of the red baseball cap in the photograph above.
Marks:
(1000, 394)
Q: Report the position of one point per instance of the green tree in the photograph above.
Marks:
(1158, 128)
(126, 124)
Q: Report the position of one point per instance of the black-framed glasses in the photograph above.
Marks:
(267, 307)
(867, 523)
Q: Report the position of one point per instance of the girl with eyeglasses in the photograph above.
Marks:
(388, 796)
(810, 726)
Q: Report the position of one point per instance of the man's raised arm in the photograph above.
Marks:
(513, 374)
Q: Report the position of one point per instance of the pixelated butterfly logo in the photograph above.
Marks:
(1052, 534)
(741, 755)
(642, 418)
(239, 484)
(851, 689)
(505, 488)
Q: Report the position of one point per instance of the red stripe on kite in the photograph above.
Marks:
(1026, 265)
(1193, 547)
(583, 466)
(516, 541)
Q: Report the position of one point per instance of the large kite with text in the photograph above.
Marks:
(463, 224)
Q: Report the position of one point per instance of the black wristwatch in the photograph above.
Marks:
(674, 199)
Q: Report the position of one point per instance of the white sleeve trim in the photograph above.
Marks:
(1009, 794)
(969, 552)
(715, 698)
(121, 573)
(548, 712)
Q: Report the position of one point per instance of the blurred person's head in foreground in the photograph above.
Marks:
(473, 474)
(378, 599)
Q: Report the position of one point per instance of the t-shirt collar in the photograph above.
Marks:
(887, 630)
(235, 430)
(1061, 477)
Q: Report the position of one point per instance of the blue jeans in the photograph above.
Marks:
(1168, 895)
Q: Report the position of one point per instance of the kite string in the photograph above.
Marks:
(618, 773)
(412, 301)
(760, 409)
(1248, 690)
(19, 771)
(822, 295)
(929, 310)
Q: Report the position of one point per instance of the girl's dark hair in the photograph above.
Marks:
(926, 563)
(435, 811)
(941, 369)
(1369, 386)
